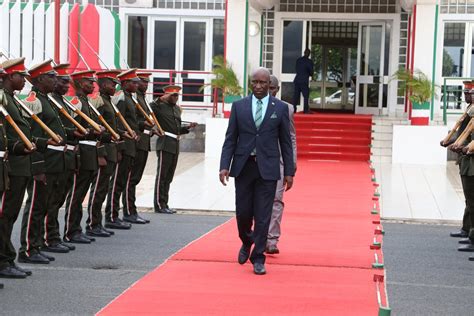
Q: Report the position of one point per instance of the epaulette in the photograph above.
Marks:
(33, 103)
(96, 100)
(118, 96)
(470, 111)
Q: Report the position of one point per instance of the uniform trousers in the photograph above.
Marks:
(165, 169)
(117, 185)
(274, 231)
(52, 234)
(301, 88)
(77, 194)
(254, 198)
(40, 197)
(12, 200)
(99, 189)
(133, 179)
(468, 218)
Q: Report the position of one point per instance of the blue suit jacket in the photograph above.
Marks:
(272, 137)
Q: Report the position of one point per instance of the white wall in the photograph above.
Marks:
(236, 36)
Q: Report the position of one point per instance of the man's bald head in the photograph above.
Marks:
(260, 82)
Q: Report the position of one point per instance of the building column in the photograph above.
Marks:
(423, 59)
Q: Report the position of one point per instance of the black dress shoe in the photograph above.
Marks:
(12, 273)
(133, 219)
(1, 286)
(78, 239)
(147, 221)
(459, 234)
(164, 210)
(116, 224)
(466, 248)
(69, 246)
(471, 258)
(50, 258)
(272, 250)
(259, 268)
(465, 241)
(25, 271)
(34, 259)
(97, 232)
(244, 254)
(110, 232)
(56, 248)
(87, 237)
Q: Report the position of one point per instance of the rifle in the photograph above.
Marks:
(67, 115)
(17, 129)
(104, 122)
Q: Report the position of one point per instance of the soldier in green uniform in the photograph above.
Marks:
(53, 241)
(48, 166)
(7, 269)
(167, 147)
(126, 106)
(19, 158)
(92, 156)
(107, 81)
(141, 156)
(464, 231)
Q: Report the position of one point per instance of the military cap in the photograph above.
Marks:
(109, 74)
(145, 76)
(173, 89)
(84, 74)
(15, 65)
(63, 71)
(130, 74)
(468, 86)
(44, 68)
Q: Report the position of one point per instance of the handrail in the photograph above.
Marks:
(446, 96)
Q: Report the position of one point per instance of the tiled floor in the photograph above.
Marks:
(415, 192)
(408, 192)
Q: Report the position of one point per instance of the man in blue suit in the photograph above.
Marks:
(258, 131)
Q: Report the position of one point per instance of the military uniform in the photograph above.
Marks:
(139, 163)
(90, 149)
(167, 150)
(100, 184)
(20, 167)
(118, 181)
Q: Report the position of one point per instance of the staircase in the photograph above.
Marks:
(333, 136)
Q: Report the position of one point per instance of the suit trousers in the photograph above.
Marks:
(77, 194)
(53, 235)
(253, 205)
(99, 189)
(36, 212)
(301, 88)
(117, 185)
(467, 184)
(274, 231)
(468, 218)
(133, 179)
(12, 200)
(165, 169)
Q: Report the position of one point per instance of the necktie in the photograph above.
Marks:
(258, 114)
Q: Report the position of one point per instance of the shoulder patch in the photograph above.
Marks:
(118, 96)
(96, 100)
(33, 103)
(76, 102)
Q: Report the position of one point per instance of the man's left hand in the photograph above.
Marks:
(288, 182)
(192, 125)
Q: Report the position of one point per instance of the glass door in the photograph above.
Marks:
(370, 61)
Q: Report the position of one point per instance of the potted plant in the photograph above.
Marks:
(420, 89)
(225, 80)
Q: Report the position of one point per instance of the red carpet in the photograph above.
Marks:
(325, 265)
(333, 136)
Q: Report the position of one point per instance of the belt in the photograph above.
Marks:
(88, 142)
(57, 148)
(2, 154)
(70, 147)
(147, 132)
(253, 158)
(172, 135)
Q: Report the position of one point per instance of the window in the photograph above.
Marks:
(218, 37)
(165, 45)
(194, 53)
(453, 50)
(292, 44)
(137, 41)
